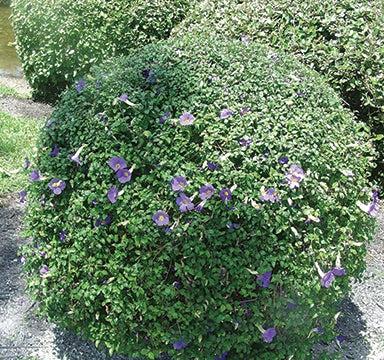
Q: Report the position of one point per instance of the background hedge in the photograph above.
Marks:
(343, 40)
(198, 287)
(58, 41)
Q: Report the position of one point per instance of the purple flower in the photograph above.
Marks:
(373, 207)
(269, 334)
(179, 183)
(116, 163)
(340, 339)
(200, 206)
(245, 142)
(57, 186)
(225, 195)
(225, 113)
(124, 175)
(35, 176)
(295, 176)
(44, 271)
(62, 235)
(76, 157)
(161, 218)
(179, 344)
(164, 117)
(112, 194)
(107, 220)
(80, 85)
(338, 271)
(223, 356)
(269, 195)
(55, 151)
(212, 166)
(123, 97)
(27, 163)
(22, 196)
(206, 192)
(283, 160)
(186, 119)
(265, 279)
(184, 202)
(327, 279)
(23, 260)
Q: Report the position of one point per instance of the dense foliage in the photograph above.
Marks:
(343, 40)
(59, 40)
(188, 198)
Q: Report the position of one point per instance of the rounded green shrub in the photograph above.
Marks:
(58, 41)
(184, 197)
(343, 40)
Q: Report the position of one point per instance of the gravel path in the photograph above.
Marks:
(17, 83)
(24, 336)
(23, 106)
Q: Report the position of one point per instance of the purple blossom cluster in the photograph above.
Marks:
(269, 195)
(185, 203)
(123, 174)
(329, 277)
(294, 176)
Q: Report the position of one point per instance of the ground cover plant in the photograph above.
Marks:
(17, 140)
(59, 40)
(202, 198)
(342, 40)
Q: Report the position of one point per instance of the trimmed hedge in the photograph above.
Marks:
(58, 41)
(343, 40)
(207, 180)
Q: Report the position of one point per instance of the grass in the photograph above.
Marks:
(17, 141)
(8, 91)
(5, 90)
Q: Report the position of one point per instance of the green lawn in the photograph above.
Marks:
(17, 139)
